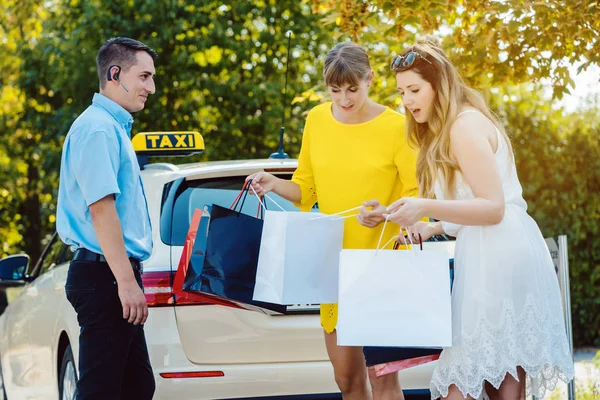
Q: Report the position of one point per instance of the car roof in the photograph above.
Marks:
(188, 170)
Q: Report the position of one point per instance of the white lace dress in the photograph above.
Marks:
(506, 305)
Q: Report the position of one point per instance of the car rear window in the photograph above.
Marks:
(192, 195)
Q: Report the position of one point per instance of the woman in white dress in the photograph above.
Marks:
(508, 325)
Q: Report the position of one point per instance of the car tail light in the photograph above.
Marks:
(279, 170)
(158, 290)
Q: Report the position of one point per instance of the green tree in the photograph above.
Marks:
(221, 71)
(492, 42)
(495, 45)
(23, 151)
(558, 160)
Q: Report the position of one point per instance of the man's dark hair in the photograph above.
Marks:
(119, 51)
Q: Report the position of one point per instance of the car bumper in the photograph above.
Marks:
(258, 380)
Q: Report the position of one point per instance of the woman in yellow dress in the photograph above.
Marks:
(353, 150)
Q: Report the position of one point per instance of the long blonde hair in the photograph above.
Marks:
(432, 138)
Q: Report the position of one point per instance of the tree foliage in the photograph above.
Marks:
(492, 42)
(221, 71)
(558, 161)
(25, 153)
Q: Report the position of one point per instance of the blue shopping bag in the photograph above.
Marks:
(225, 256)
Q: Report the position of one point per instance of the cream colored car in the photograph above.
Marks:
(198, 350)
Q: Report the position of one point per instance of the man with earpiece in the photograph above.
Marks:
(102, 214)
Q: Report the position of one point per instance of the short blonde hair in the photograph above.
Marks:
(346, 64)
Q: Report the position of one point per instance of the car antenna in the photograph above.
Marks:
(280, 153)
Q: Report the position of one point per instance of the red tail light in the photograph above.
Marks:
(157, 288)
(159, 293)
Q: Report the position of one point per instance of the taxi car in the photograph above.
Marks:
(198, 349)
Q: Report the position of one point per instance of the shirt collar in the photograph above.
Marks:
(121, 115)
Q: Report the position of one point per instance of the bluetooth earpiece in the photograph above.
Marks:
(123, 86)
(109, 76)
(115, 76)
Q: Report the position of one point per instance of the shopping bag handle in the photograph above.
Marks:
(394, 237)
(265, 196)
(240, 194)
(338, 214)
(397, 245)
(381, 237)
(410, 240)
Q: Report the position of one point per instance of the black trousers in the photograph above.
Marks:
(113, 357)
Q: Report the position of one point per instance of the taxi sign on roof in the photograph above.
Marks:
(168, 143)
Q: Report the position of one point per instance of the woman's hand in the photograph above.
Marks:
(262, 182)
(373, 216)
(406, 212)
(422, 231)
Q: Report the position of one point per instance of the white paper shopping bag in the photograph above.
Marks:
(299, 258)
(398, 298)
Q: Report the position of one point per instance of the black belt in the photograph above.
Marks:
(82, 254)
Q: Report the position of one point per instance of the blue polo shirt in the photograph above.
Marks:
(98, 160)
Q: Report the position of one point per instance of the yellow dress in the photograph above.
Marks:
(342, 165)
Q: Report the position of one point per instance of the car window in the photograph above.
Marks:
(220, 191)
(66, 256)
(56, 254)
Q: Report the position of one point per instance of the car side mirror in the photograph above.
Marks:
(12, 270)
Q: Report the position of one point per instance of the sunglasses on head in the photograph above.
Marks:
(401, 63)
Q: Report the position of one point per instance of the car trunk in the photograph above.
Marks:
(216, 332)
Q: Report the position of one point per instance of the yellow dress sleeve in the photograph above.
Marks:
(303, 176)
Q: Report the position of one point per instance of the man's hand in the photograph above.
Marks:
(371, 214)
(135, 308)
(110, 235)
